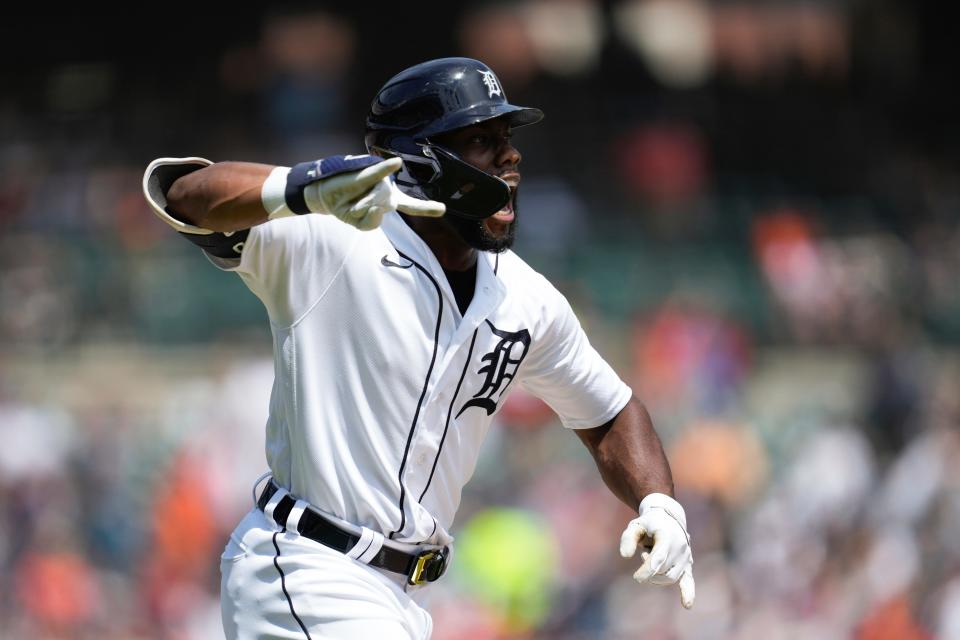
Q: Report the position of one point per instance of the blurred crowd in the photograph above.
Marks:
(753, 207)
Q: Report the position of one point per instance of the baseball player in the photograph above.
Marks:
(401, 321)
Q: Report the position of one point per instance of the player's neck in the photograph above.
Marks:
(451, 251)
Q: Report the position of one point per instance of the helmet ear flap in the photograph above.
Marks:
(438, 174)
(467, 191)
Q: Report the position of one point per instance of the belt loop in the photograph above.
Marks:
(274, 500)
(256, 484)
(367, 547)
(296, 512)
(374, 548)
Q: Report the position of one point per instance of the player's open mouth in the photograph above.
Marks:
(506, 214)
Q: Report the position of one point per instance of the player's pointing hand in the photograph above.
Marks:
(359, 191)
(667, 558)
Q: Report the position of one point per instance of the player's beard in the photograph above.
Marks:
(477, 236)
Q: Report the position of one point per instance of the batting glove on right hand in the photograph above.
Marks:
(667, 559)
(362, 198)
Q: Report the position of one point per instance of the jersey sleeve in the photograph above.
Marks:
(566, 372)
(290, 262)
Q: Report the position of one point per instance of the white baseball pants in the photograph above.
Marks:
(283, 585)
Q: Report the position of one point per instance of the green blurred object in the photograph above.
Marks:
(507, 559)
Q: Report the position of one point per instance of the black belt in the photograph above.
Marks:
(426, 566)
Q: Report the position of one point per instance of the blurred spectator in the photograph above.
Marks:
(513, 580)
(663, 164)
(689, 360)
(58, 591)
(724, 462)
(308, 56)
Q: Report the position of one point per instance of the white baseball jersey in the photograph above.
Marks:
(383, 391)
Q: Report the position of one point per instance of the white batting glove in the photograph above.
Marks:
(362, 198)
(667, 558)
(357, 190)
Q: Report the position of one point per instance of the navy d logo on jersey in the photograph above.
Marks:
(500, 367)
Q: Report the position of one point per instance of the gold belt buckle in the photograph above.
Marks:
(416, 575)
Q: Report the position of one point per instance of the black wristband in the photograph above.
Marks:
(299, 177)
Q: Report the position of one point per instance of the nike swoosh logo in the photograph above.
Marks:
(387, 262)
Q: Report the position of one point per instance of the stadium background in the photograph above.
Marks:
(753, 207)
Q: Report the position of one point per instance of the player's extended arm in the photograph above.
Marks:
(632, 463)
(231, 196)
(222, 197)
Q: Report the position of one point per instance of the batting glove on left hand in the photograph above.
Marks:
(667, 560)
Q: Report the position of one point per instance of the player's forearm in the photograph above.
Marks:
(222, 197)
(629, 455)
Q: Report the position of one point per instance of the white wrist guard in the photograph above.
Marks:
(668, 504)
(272, 194)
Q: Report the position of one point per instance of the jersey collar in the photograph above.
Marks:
(489, 292)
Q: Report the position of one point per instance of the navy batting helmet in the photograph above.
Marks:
(437, 97)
